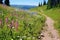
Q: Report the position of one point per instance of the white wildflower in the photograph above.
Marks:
(11, 39)
(20, 39)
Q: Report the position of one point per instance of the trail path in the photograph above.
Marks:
(48, 31)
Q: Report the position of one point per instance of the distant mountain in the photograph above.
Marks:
(25, 7)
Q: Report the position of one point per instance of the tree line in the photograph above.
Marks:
(6, 2)
(51, 3)
(44, 3)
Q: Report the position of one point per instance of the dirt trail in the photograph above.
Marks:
(48, 31)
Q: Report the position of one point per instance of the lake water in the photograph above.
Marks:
(24, 7)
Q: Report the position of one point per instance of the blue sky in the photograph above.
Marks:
(25, 2)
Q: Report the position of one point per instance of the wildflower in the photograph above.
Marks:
(12, 22)
(0, 22)
(13, 27)
(6, 19)
(33, 37)
(18, 36)
(16, 25)
(24, 36)
(11, 39)
(20, 39)
(10, 25)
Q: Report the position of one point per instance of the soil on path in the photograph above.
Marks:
(48, 31)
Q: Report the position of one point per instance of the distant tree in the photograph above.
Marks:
(39, 5)
(44, 3)
(7, 2)
(1, 1)
(51, 4)
(58, 2)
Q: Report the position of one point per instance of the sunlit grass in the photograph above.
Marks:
(54, 13)
(17, 24)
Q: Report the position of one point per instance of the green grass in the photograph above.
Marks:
(38, 9)
(54, 13)
(19, 24)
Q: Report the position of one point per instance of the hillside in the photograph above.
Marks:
(19, 24)
(53, 13)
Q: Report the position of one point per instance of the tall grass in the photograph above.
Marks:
(19, 25)
(54, 13)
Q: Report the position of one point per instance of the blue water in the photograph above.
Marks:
(24, 7)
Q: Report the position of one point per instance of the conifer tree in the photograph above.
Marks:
(7, 2)
(44, 2)
(39, 5)
(53, 3)
(1, 1)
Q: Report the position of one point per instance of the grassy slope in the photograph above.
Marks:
(53, 13)
(28, 25)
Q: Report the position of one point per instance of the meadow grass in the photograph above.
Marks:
(19, 25)
(54, 13)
